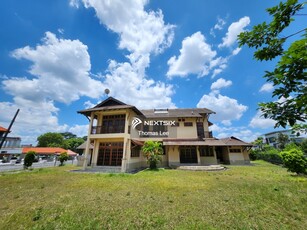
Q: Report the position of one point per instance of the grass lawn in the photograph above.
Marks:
(263, 196)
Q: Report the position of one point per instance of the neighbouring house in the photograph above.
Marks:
(11, 148)
(118, 131)
(2, 131)
(272, 137)
(48, 153)
(82, 148)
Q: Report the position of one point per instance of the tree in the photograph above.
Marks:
(68, 135)
(29, 159)
(51, 140)
(63, 157)
(289, 76)
(259, 142)
(304, 146)
(73, 143)
(282, 140)
(152, 151)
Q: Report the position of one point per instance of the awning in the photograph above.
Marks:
(136, 142)
(206, 142)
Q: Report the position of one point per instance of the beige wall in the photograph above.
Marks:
(208, 160)
(173, 156)
(238, 158)
(187, 131)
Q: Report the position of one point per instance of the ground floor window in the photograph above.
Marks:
(188, 154)
(135, 151)
(235, 150)
(110, 154)
(206, 151)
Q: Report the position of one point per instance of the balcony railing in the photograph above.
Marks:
(107, 129)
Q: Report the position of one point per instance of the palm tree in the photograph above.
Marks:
(152, 150)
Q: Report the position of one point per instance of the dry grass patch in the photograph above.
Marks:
(263, 196)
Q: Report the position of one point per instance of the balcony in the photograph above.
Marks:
(107, 129)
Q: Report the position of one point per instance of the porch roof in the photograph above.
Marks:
(83, 146)
(231, 141)
(195, 142)
(137, 142)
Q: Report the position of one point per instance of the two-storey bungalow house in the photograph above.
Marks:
(117, 132)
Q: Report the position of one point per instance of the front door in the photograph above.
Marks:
(219, 154)
(110, 154)
(188, 154)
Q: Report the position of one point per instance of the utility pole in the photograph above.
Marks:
(9, 129)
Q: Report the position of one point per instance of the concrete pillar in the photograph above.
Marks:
(88, 142)
(125, 158)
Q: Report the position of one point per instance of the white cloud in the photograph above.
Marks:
(218, 65)
(258, 121)
(79, 130)
(195, 57)
(236, 51)
(220, 83)
(74, 3)
(126, 85)
(242, 132)
(233, 31)
(218, 26)
(62, 75)
(227, 109)
(267, 87)
(89, 104)
(141, 32)
(33, 119)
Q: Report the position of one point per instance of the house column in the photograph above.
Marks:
(88, 142)
(125, 150)
(198, 155)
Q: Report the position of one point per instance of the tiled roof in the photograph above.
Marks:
(171, 113)
(194, 142)
(2, 129)
(114, 104)
(48, 150)
(230, 141)
(233, 141)
(83, 146)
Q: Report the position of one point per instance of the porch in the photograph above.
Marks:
(202, 168)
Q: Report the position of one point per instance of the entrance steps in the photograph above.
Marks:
(106, 169)
(202, 168)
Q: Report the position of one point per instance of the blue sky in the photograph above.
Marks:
(57, 57)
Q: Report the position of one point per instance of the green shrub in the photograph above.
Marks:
(29, 159)
(304, 146)
(269, 154)
(295, 161)
(253, 154)
(63, 157)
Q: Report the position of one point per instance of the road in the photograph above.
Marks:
(16, 167)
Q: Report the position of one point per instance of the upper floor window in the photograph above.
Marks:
(113, 124)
